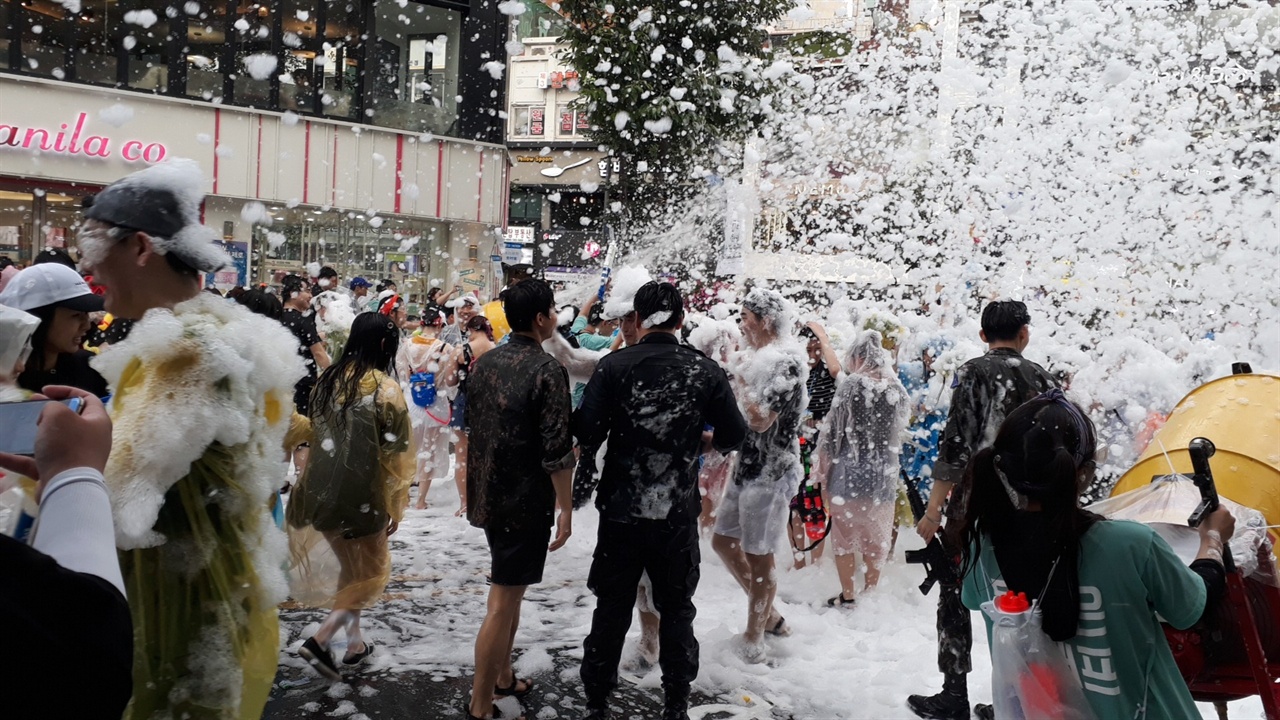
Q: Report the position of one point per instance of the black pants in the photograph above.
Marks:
(955, 625)
(624, 551)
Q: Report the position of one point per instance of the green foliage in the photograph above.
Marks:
(664, 82)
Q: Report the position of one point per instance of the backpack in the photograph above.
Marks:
(422, 387)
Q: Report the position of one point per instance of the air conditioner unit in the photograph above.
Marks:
(543, 81)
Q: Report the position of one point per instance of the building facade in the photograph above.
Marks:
(559, 180)
(362, 135)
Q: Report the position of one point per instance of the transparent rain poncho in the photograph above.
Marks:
(356, 483)
(862, 436)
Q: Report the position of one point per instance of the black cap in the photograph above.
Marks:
(152, 210)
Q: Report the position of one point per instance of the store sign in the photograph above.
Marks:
(74, 141)
(521, 158)
(518, 234)
(238, 273)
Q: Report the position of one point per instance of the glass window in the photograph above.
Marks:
(412, 83)
(299, 22)
(96, 53)
(340, 58)
(573, 121)
(203, 56)
(528, 120)
(7, 18)
(538, 21)
(146, 37)
(46, 35)
(255, 61)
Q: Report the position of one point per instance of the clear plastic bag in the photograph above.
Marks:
(1031, 678)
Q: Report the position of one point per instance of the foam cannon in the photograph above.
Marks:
(1200, 450)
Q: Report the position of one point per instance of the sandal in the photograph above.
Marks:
(357, 658)
(780, 628)
(511, 690)
(840, 601)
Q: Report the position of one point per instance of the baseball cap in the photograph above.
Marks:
(50, 284)
(358, 282)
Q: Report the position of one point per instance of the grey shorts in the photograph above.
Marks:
(756, 512)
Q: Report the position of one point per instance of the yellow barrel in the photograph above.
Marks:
(1241, 415)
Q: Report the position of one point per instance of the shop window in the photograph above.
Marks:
(202, 59)
(97, 43)
(7, 18)
(573, 121)
(340, 58)
(528, 120)
(46, 35)
(255, 62)
(300, 24)
(412, 83)
(146, 37)
(538, 21)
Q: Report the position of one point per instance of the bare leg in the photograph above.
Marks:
(847, 568)
(799, 539)
(757, 585)
(764, 586)
(355, 640)
(460, 472)
(494, 643)
(730, 551)
(336, 620)
(300, 457)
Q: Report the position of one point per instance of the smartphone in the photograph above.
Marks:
(18, 424)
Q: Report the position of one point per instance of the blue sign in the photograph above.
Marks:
(239, 253)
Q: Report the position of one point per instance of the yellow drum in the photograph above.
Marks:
(1241, 415)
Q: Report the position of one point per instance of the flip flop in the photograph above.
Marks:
(510, 691)
(841, 602)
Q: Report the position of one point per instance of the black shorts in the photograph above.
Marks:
(518, 555)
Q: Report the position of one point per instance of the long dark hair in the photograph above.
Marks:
(372, 345)
(481, 323)
(35, 362)
(1044, 453)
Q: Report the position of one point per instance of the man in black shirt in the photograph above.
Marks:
(519, 472)
(652, 401)
(986, 390)
(301, 321)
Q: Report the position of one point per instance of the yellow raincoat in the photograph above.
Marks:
(199, 419)
(356, 483)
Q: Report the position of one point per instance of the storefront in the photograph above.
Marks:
(561, 197)
(288, 192)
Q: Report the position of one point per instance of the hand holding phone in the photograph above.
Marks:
(63, 438)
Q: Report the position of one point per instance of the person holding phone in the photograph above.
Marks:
(62, 300)
(63, 595)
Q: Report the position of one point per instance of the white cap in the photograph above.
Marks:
(16, 329)
(464, 300)
(50, 284)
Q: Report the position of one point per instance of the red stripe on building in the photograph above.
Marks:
(333, 187)
(506, 194)
(306, 165)
(217, 138)
(439, 178)
(257, 190)
(399, 169)
(480, 187)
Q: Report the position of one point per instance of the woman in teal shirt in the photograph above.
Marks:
(1101, 582)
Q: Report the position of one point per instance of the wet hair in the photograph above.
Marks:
(327, 272)
(291, 285)
(261, 302)
(1003, 319)
(525, 301)
(480, 323)
(5, 261)
(1043, 451)
(659, 306)
(768, 305)
(372, 345)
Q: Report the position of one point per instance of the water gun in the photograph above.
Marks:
(609, 256)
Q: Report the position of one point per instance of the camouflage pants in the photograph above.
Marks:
(955, 629)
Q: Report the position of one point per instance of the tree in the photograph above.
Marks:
(665, 84)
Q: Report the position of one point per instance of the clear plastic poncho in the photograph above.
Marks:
(862, 436)
(356, 482)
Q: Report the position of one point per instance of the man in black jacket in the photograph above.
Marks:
(985, 390)
(652, 401)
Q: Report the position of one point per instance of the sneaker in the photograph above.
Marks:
(943, 706)
(320, 658)
(356, 658)
(984, 711)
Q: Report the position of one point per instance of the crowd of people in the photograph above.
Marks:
(740, 423)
